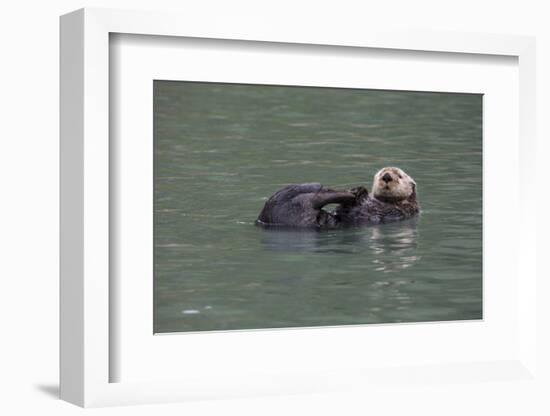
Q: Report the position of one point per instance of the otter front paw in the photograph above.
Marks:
(360, 192)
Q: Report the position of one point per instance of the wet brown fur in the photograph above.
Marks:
(394, 198)
(370, 210)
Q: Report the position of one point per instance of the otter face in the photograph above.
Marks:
(393, 184)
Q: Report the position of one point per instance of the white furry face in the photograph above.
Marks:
(393, 183)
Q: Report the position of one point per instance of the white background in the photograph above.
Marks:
(29, 209)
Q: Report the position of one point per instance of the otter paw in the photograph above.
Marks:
(360, 193)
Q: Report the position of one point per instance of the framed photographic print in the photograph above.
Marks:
(273, 212)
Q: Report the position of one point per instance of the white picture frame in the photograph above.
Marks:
(86, 303)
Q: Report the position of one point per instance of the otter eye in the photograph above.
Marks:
(400, 177)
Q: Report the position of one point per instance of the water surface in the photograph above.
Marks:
(222, 149)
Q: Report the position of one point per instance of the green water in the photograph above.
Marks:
(221, 150)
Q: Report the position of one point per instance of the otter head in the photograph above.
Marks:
(393, 185)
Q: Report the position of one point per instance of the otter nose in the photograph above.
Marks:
(387, 177)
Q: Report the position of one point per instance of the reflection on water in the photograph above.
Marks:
(389, 247)
(221, 150)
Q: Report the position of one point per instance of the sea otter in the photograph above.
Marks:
(393, 199)
(302, 205)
